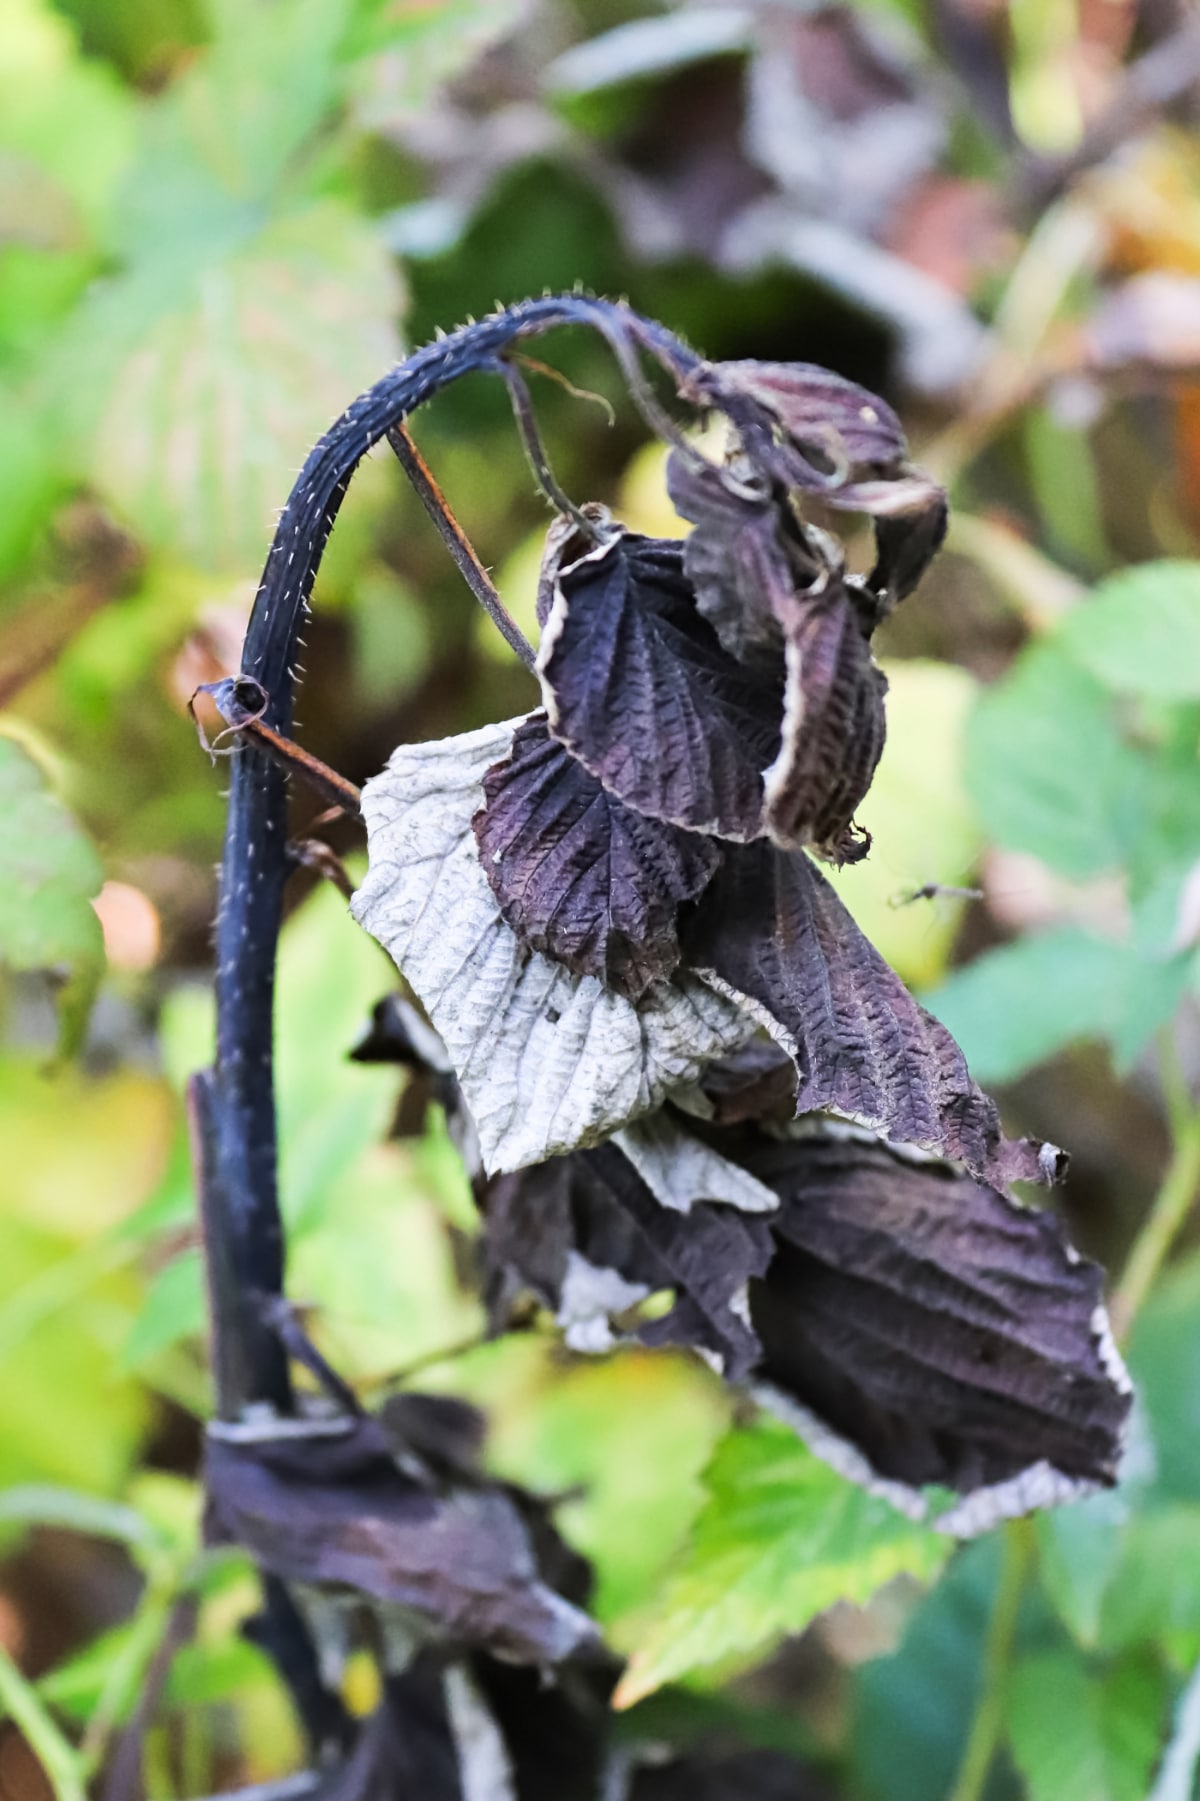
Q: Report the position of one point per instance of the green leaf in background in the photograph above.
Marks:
(1080, 1549)
(1079, 1736)
(780, 1538)
(192, 387)
(1139, 633)
(1014, 1007)
(1164, 1361)
(1048, 770)
(48, 875)
(922, 824)
(912, 1709)
(1154, 1595)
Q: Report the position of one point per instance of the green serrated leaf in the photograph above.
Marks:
(1077, 1736)
(1048, 770)
(781, 1537)
(1139, 633)
(1013, 1007)
(48, 875)
(1157, 1588)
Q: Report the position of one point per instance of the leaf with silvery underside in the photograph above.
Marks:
(48, 875)
(335, 1508)
(566, 1228)
(781, 1537)
(577, 875)
(833, 730)
(952, 1337)
(771, 933)
(548, 1060)
(638, 688)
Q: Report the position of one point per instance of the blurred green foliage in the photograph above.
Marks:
(219, 219)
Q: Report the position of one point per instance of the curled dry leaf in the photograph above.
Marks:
(946, 1334)
(638, 688)
(592, 1213)
(578, 875)
(772, 935)
(833, 731)
(332, 1507)
(917, 1327)
(547, 1059)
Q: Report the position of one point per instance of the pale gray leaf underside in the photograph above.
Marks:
(548, 1060)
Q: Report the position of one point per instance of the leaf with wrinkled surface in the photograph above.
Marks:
(833, 730)
(772, 934)
(334, 1508)
(780, 1539)
(952, 1337)
(638, 688)
(548, 1060)
(567, 1228)
(48, 875)
(580, 877)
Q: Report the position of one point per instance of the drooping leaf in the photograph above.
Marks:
(680, 1169)
(580, 877)
(589, 1237)
(808, 428)
(48, 875)
(950, 1336)
(334, 1507)
(780, 1538)
(741, 559)
(833, 730)
(1139, 631)
(1076, 1736)
(548, 1060)
(638, 688)
(771, 932)
(1048, 770)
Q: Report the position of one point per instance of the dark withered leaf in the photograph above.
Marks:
(757, 1082)
(638, 688)
(906, 545)
(821, 413)
(580, 876)
(833, 729)
(772, 932)
(335, 1510)
(565, 1228)
(946, 1333)
(737, 559)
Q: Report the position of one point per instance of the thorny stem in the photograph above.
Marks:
(458, 544)
(987, 1725)
(238, 1167)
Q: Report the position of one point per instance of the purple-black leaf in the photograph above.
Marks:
(331, 1506)
(580, 876)
(833, 729)
(742, 559)
(638, 688)
(562, 1227)
(946, 1333)
(771, 933)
